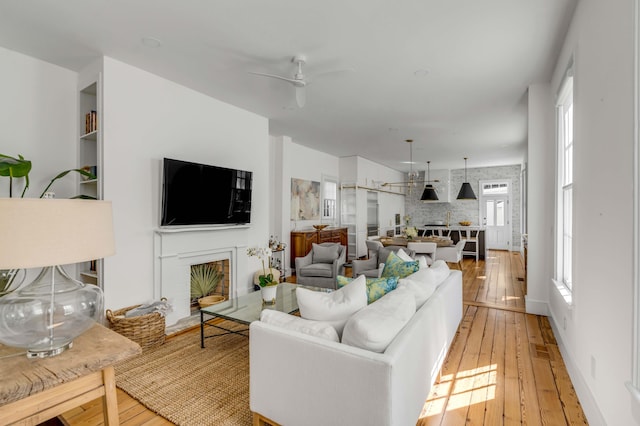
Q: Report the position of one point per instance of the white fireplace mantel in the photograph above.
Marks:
(176, 249)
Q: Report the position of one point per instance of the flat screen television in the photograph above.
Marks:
(200, 194)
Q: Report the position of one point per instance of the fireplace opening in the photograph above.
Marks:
(209, 279)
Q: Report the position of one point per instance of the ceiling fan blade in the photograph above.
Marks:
(301, 96)
(290, 80)
(313, 77)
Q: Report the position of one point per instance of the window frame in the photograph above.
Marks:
(564, 217)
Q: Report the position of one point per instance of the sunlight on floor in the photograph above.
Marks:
(507, 298)
(467, 388)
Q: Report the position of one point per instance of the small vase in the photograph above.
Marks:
(269, 294)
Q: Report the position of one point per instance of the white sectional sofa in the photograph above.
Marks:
(302, 379)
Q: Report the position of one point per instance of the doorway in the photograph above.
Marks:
(495, 211)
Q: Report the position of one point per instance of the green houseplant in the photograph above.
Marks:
(16, 168)
(204, 281)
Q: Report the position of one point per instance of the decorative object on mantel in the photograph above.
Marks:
(267, 280)
(46, 315)
(466, 192)
(429, 193)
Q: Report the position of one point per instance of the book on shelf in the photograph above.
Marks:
(90, 122)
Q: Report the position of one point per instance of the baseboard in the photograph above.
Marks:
(537, 307)
(587, 401)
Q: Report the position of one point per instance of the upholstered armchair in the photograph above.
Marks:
(370, 267)
(321, 266)
(452, 254)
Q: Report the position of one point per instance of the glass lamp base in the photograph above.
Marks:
(49, 352)
(45, 316)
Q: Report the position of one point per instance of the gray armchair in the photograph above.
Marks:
(369, 267)
(321, 266)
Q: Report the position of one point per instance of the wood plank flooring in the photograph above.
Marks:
(503, 368)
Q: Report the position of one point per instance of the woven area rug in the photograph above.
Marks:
(188, 385)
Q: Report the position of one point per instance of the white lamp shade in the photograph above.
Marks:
(43, 232)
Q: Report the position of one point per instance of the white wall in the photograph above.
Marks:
(596, 341)
(147, 118)
(38, 120)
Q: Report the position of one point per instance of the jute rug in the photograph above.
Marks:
(188, 385)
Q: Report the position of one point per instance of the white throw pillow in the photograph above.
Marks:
(336, 307)
(420, 290)
(374, 327)
(422, 262)
(292, 322)
(441, 271)
(404, 256)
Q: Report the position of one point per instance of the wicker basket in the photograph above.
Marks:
(146, 330)
(210, 300)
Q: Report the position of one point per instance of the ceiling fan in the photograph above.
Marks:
(299, 80)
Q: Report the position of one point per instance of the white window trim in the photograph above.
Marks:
(634, 384)
(558, 279)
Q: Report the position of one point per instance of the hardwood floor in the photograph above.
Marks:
(503, 368)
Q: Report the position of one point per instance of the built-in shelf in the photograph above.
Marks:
(89, 274)
(85, 182)
(91, 136)
(172, 230)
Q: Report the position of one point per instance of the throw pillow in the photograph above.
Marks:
(374, 327)
(420, 290)
(336, 307)
(396, 267)
(324, 254)
(376, 287)
(292, 322)
(404, 256)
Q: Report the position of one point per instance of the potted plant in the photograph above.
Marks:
(15, 168)
(268, 284)
(204, 281)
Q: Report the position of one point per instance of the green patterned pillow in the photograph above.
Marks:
(396, 267)
(376, 287)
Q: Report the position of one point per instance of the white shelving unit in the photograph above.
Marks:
(348, 219)
(90, 156)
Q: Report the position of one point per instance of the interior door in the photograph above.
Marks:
(496, 215)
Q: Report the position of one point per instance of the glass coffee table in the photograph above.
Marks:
(247, 308)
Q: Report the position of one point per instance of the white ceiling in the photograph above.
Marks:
(480, 57)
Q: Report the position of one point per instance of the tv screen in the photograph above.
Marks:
(199, 194)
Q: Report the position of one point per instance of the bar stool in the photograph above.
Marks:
(467, 234)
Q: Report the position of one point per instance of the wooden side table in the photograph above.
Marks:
(35, 390)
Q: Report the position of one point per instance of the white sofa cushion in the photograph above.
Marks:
(292, 322)
(335, 307)
(404, 256)
(375, 326)
(420, 290)
(435, 274)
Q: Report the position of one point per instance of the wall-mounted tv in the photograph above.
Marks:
(200, 194)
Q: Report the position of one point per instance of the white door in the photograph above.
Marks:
(496, 215)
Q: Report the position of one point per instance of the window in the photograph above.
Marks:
(329, 199)
(564, 178)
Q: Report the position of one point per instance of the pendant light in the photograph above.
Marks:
(413, 176)
(429, 193)
(466, 192)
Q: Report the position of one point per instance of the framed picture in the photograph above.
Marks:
(305, 199)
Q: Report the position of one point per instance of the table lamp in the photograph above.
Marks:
(45, 316)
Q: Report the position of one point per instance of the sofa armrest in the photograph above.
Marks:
(359, 266)
(327, 382)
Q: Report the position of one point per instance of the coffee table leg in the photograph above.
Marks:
(201, 330)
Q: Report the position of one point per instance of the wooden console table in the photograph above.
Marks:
(35, 390)
(302, 241)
